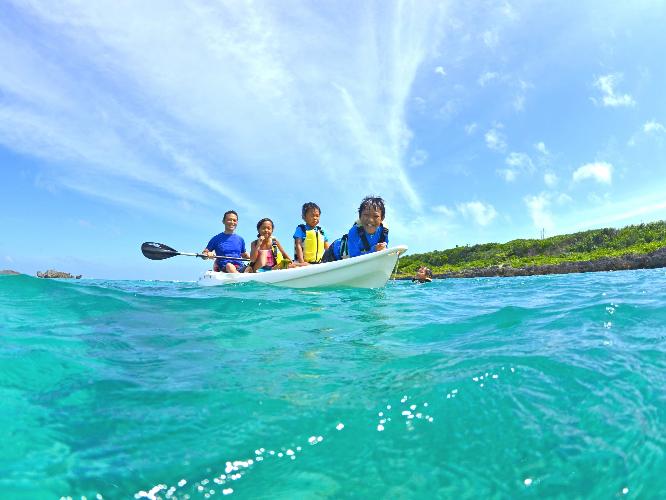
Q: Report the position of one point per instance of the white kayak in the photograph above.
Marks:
(371, 270)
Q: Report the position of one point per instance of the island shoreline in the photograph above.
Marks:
(629, 262)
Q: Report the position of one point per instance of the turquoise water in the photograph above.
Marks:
(547, 386)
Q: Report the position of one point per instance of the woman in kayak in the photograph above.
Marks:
(266, 252)
(227, 244)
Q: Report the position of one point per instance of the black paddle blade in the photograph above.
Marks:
(157, 251)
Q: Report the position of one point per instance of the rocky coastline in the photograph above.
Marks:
(52, 273)
(651, 260)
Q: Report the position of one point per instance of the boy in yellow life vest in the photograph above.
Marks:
(310, 241)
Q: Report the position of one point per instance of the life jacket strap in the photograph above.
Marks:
(364, 237)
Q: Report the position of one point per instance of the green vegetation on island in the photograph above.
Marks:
(587, 246)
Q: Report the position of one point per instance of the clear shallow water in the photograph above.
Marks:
(548, 386)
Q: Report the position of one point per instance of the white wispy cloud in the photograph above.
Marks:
(418, 158)
(517, 163)
(481, 213)
(601, 172)
(541, 148)
(508, 174)
(490, 38)
(444, 210)
(563, 199)
(519, 103)
(495, 140)
(622, 211)
(487, 77)
(439, 70)
(650, 130)
(470, 128)
(174, 103)
(424, 232)
(538, 207)
(609, 96)
(449, 109)
(654, 127)
(550, 179)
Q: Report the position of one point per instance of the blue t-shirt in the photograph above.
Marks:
(355, 244)
(299, 233)
(230, 245)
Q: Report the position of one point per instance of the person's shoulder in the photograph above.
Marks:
(299, 232)
(217, 237)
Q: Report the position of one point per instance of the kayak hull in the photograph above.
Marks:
(371, 270)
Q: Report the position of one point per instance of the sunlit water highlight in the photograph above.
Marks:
(548, 386)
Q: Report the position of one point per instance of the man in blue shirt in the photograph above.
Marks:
(227, 244)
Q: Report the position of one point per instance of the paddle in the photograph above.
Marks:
(159, 251)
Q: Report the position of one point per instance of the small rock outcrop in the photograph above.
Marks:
(52, 273)
(8, 271)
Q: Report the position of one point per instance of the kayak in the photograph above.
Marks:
(371, 270)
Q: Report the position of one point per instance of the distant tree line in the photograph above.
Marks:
(587, 245)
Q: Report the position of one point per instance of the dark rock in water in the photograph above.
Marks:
(8, 271)
(52, 273)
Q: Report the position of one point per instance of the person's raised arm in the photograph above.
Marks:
(254, 250)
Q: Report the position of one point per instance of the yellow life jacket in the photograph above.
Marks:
(277, 255)
(313, 245)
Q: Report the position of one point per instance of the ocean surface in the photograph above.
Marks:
(546, 386)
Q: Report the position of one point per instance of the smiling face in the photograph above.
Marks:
(230, 223)
(312, 217)
(266, 229)
(370, 218)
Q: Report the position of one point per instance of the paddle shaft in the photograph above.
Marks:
(214, 257)
(160, 251)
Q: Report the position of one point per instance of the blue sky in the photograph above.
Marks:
(123, 122)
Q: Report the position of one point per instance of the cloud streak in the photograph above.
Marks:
(175, 103)
(609, 95)
(600, 172)
(481, 213)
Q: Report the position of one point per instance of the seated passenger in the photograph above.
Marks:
(310, 241)
(367, 235)
(266, 252)
(227, 244)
